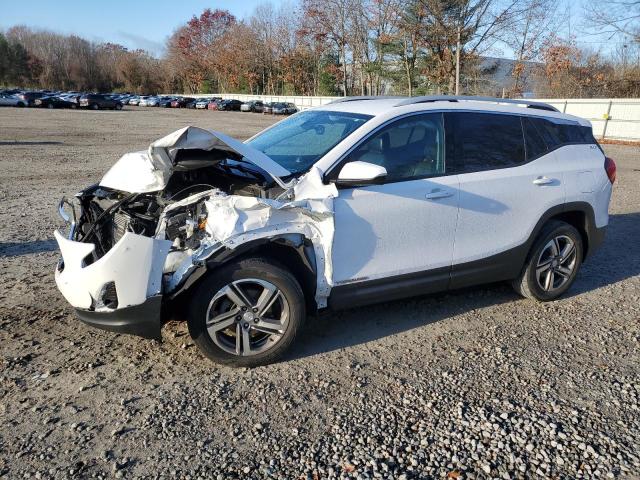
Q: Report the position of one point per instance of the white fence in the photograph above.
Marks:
(612, 118)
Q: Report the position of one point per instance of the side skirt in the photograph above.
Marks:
(499, 267)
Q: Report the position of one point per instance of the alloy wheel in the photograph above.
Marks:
(556, 263)
(247, 317)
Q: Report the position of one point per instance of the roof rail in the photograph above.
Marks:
(367, 97)
(456, 98)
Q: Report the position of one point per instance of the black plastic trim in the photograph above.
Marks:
(143, 320)
(386, 289)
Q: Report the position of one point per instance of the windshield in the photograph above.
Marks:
(301, 140)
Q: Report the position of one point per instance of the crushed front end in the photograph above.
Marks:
(158, 216)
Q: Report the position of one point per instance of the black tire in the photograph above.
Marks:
(50, 105)
(244, 270)
(20, 105)
(94, 106)
(528, 284)
(118, 106)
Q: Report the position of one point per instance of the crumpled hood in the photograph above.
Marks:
(150, 170)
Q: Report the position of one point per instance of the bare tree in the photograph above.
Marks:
(526, 35)
(615, 16)
(332, 19)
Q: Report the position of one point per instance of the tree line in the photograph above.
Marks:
(346, 47)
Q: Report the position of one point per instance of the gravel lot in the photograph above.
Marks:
(473, 384)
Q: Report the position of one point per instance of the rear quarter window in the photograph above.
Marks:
(558, 134)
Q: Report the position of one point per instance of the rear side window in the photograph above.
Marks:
(484, 141)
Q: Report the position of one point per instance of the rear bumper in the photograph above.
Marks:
(144, 320)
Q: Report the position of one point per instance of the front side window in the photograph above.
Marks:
(409, 148)
(301, 140)
(484, 141)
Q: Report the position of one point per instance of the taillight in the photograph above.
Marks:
(610, 168)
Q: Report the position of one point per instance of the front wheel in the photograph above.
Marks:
(94, 106)
(553, 263)
(247, 313)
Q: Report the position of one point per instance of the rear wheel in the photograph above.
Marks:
(247, 314)
(553, 263)
(50, 105)
(94, 106)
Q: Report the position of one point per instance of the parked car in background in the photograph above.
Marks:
(97, 101)
(147, 101)
(181, 102)
(10, 91)
(29, 97)
(252, 106)
(73, 97)
(191, 103)
(165, 102)
(229, 105)
(11, 100)
(214, 104)
(267, 107)
(135, 100)
(283, 108)
(202, 103)
(54, 101)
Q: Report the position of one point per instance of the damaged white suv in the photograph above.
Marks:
(359, 201)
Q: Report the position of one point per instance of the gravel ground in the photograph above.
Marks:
(472, 384)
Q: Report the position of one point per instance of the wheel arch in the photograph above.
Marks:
(292, 251)
(579, 215)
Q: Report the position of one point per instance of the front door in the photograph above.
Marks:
(406, 225)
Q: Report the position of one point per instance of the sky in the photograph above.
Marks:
(146, 24)
(142, 24)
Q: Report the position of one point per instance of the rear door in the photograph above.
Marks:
(506, 185)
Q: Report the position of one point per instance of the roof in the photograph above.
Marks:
(386, 105)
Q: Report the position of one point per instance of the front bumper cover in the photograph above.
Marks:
(133, 266)
(144, 320)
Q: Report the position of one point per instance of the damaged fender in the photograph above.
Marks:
(235, 220)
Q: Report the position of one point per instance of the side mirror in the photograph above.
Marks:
(361, 173)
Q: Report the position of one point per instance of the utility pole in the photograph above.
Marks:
(458, 63)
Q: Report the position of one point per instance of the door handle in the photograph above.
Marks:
(437, 193)
(544, 181)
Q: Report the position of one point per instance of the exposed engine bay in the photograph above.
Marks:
(158, 215)
(107, 214)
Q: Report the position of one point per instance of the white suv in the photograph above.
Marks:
(360, 201)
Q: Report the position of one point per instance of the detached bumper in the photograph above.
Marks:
(143, 320)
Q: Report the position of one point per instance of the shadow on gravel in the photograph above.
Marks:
(44, 142)
(615, 261)
(365, 324)
(16, 249)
